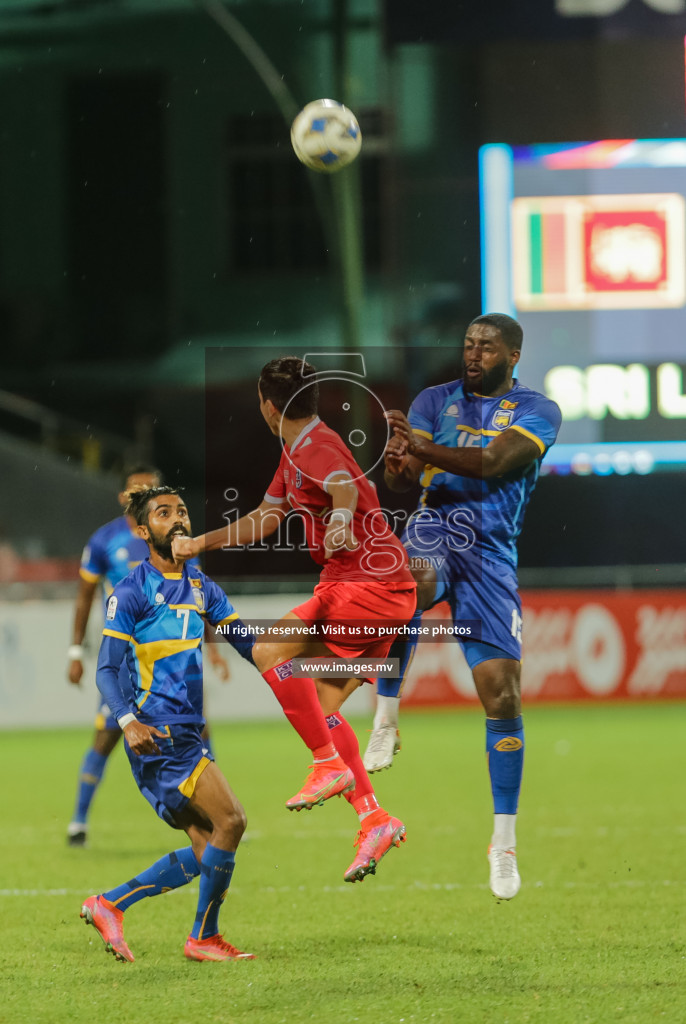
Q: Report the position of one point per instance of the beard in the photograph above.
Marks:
(488, 381)
(162, 544)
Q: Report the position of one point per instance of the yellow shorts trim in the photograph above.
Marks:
(187, 787)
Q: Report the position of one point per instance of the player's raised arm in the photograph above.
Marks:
(249, 529)
(508, 451)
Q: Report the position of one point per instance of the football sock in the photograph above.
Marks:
(504, 831)
(298, 698)
(505, 753)
(403, 649)
(92, 768)
(216, 869)
(387, 710)
(345, 741)
(169, 872)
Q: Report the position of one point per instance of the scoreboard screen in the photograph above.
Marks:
(585, 244)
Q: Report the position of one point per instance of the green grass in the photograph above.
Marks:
(597, 933)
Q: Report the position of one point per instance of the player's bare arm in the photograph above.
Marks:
(402, 471)
(508, 451)
(249, 529)
(84, 602)
(344, 496)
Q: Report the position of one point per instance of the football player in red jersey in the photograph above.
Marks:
(365, 590)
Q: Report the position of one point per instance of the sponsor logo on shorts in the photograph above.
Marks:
(509, 743)
(112, 607)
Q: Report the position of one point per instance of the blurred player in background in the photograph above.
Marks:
(110, 555)
(476, 446)
(154, 624)
(365, 583)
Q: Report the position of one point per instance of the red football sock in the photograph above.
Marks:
(298, 698)
(344, 739)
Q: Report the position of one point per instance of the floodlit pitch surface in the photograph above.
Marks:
(597, 933)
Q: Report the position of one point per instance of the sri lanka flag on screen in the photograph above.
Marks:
(599, 252)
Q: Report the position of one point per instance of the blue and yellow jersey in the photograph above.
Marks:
(156, 622)
(110, 555)
(491, 511)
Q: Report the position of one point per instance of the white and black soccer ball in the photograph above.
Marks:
(326, 136)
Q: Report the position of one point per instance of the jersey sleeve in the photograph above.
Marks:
(122, 611)
(539, 419)
(220, 612)
(93, 560)
(324, 462)
(107, 676)
(276, 492)
(422, 414)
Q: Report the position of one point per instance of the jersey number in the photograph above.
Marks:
(183, 613)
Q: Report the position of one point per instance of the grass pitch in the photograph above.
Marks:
(597, 934)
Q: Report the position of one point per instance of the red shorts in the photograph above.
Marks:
(362, 618)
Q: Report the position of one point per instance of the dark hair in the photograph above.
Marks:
(510, 330)
(137, 469)
(137, 506)
(285, 382)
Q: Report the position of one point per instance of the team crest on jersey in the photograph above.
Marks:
(298, 478)
(502, 418)
(505, 404)
(112, 607)
(199, 598)
(159, 598)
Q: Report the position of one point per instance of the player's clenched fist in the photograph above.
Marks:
(184, 548)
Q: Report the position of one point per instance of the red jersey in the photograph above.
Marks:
(305, 469)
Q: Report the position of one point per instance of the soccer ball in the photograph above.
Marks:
(326, 136)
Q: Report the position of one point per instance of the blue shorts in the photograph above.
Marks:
(476, 589)
(104, 719)
(167, 780)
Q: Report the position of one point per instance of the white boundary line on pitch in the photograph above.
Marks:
(421, 886)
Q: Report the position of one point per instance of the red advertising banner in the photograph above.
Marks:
(577, 645)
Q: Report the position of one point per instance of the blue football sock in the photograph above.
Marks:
(92, 768)
(216, 869)
(170, 872)
(402, 648)
(505, 752)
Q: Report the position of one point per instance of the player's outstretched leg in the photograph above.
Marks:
(378, 829)
(329, 775)
(384, 742)
(505, 747)
(106, 911)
